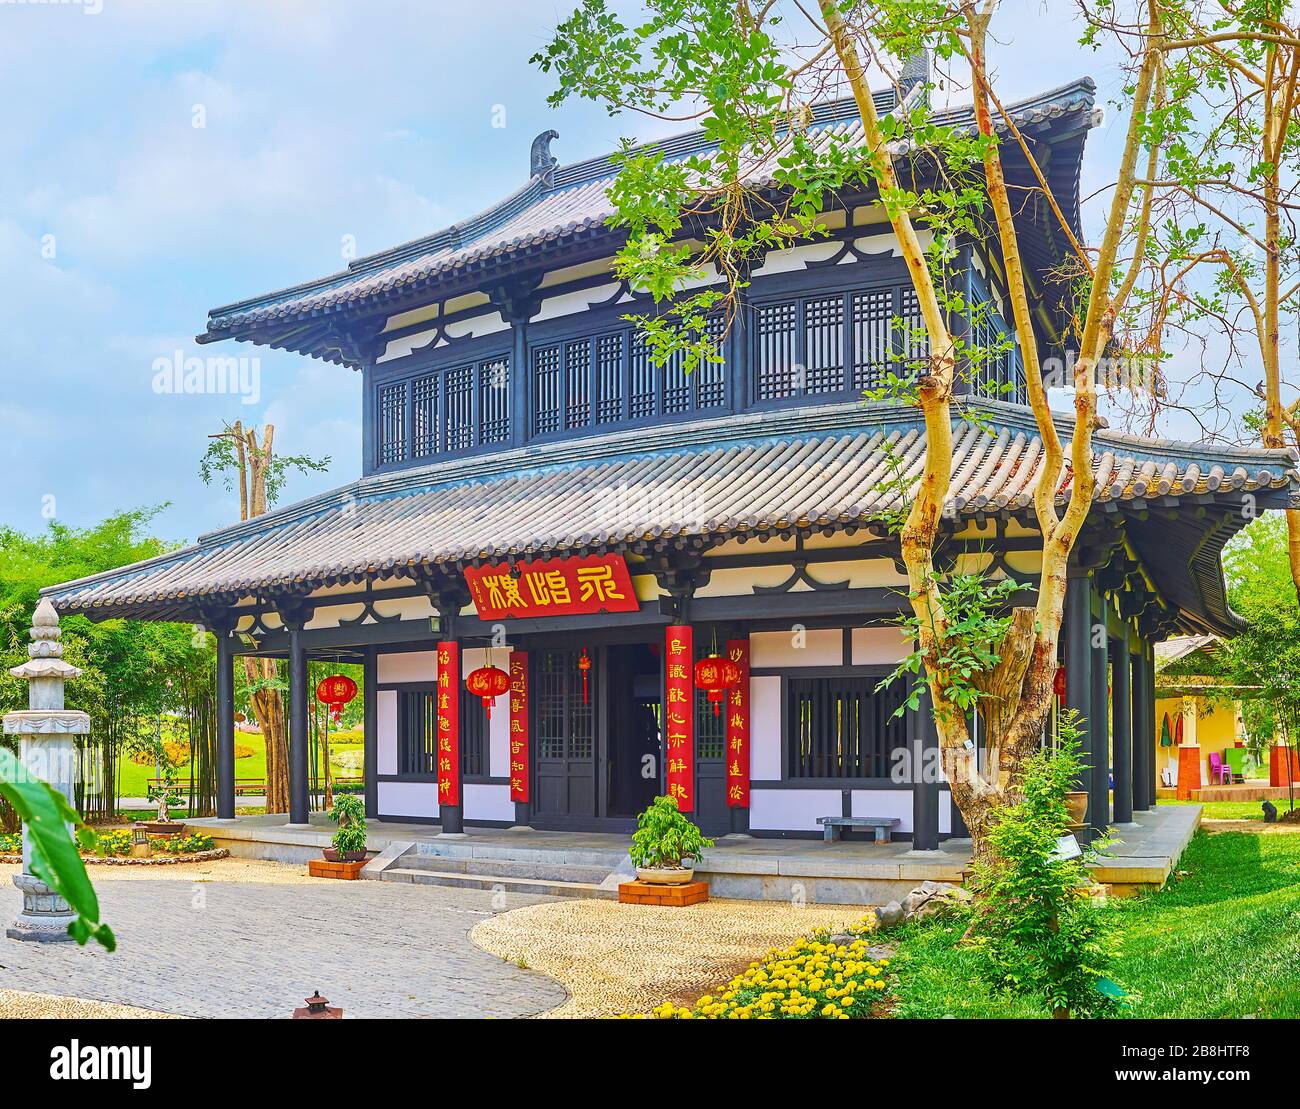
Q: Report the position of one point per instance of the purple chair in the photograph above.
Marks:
(1220, 771)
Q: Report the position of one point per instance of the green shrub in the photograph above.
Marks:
(116, 842)
(179, 844)
(664, 837)
(349, 812)
(11, 843)
(1041, 934)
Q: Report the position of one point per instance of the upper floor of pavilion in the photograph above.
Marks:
(510, 329)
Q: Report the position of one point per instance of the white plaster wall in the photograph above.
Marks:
(488, 802)
(821, 647)
(499, 737)
(765, 729)
(386, 730)
(408, 798)
(885, 802)
(792, 810)
(877, 646)
(411, 666)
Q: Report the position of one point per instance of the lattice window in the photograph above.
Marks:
(873, 347)
(564, 724)
(546, 390)
(391, 446)
(417, 733)
(839, 727)
(609, 379)
(710, 377)
(914, 343)
(424, 417)
(776, 352)
(577, 383)
(494, 401)
(458, 403)
(823, 328)
(642, 397)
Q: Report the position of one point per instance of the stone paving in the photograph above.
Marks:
(244, 949)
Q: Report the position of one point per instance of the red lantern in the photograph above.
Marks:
(584, 665)
(717, 675)
(336, 691)
(1058, 684)
(487, 683)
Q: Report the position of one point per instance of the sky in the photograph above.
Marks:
(159, 158)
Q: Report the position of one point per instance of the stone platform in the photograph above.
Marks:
(852, 872)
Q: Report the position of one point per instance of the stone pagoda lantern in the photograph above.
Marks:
(48, 752)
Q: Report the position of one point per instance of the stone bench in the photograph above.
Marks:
(833, 826)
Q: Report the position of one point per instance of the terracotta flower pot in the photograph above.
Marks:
(666, 875)
(1077, 802)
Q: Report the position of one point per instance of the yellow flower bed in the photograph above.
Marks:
(812, 979)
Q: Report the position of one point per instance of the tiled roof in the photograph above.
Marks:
(568, 203)
(746, 475)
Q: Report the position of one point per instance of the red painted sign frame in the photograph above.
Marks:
(519, 750)
(679, 715)
(448, 718)
(738, 728)
(552, 587)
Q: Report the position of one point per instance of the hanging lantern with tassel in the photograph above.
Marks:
(487, 683)
(716, 674)
(335, 692)
(584, 667)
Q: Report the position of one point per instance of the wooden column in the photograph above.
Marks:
(370, 731)
(925, 784)
(519, 739)
(1078, 656)
(679, 715)
(1122, 725)
(451, 814)
(1099, 729)
(299, 706)
(1143, 752)
(225, 725)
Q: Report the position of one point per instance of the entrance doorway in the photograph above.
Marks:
(599, 752)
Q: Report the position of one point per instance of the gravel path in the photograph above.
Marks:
(617, 959)
(239, 938)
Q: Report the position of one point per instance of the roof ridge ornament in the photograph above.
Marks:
(541, 163)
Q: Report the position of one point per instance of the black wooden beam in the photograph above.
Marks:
(1122, 729)
(225, 726)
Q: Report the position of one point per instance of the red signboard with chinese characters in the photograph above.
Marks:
(519, 726)
(552, 587)
(679, 715)
(738, 727)
(448, 723)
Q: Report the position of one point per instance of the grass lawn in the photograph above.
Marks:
(133, 779)
(1221, 941)
(1234, 810)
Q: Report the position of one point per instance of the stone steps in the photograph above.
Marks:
(507, 868)
(542, 887)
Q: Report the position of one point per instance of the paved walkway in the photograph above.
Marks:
(239, 949)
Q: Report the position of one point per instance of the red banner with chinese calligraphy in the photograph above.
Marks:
(519, 726)
(552, 587)
(738, 727)
(448, 723)
(679, 715)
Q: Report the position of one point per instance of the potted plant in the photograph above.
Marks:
(350, 837)
(165, 794)
(663, 842)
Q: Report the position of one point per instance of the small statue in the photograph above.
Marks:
(1270, 812)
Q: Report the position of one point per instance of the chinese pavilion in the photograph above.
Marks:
(538, 498)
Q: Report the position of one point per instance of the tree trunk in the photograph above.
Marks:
(268, 708)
